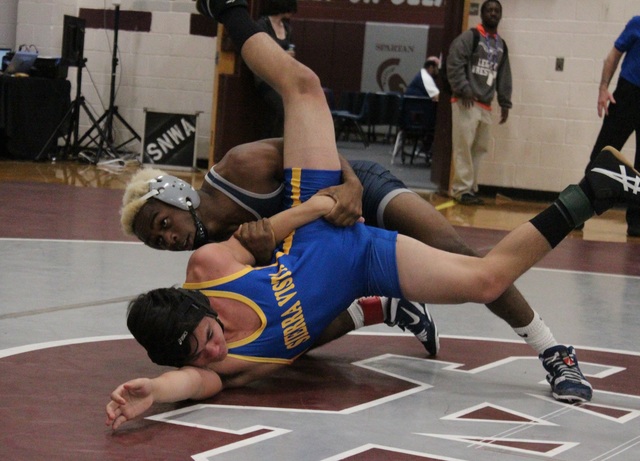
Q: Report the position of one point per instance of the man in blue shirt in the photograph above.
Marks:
(622, 108)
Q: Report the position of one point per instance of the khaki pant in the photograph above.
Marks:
(470, 135)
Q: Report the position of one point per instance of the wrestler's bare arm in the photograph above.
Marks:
(287, 221)
(218, 260)
(134, 397)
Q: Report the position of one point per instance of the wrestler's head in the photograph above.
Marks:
(160, 209)
(177, 327)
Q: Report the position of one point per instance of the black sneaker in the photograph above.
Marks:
(213, 8)
(469, 199)
(568, 384)
(414, 317)
(613, 180)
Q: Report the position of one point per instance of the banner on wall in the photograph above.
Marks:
(169, 139)
(393, 54)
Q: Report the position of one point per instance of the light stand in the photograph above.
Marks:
(72, 145)
(104, 124)
(73, 56)
(77, 104)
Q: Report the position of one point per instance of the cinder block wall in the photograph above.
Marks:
(8, 21)
(551, 130)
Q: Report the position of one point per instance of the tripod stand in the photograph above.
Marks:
(73, 54)
(74, 115)
(104, 138)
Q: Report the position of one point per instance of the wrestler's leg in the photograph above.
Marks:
(388, 203)
(431, 275)
(411, 215)
(309, 138)
(434, 276)
(340, 326)
(362, 312)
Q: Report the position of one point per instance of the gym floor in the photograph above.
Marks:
(68, 272)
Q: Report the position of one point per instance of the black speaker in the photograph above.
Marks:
(73, 41)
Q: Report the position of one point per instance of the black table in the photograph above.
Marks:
(31, 109)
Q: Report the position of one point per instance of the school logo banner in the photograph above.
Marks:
(393, 54)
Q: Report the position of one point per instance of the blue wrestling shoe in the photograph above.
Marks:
(414, 317)
(568, 384)
(213, 8)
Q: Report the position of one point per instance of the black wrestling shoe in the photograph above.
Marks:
(612, 180)
(414, 317)
(213, 8)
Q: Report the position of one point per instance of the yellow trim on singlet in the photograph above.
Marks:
(262, 359)
(214, 282)
(296, 174)
(248, 302)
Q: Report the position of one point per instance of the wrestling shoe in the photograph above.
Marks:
(413, 317)
(568, 384)
(612, 180)
(213, 8)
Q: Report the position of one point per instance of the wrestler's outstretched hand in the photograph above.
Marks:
(128, 401)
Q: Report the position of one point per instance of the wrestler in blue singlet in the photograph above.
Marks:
(294, 308)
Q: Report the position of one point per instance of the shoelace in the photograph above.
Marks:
(568, 372)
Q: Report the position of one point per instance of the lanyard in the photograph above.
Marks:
(492, 49)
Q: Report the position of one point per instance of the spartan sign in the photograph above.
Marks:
(169, 139)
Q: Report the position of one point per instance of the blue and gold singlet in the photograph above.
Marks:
(319, 270)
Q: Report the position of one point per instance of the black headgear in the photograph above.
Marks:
(164, 330)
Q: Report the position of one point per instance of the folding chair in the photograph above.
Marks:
(353, 113)
(416, 124)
